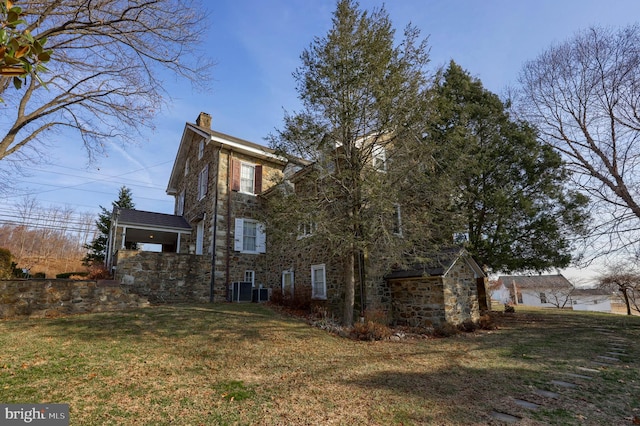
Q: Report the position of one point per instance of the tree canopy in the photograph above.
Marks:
(362, 95)
(104, 81)
(97, 250)
(509, 189)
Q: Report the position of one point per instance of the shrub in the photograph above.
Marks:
(98, 273)
(39, 275)
(370, 330)
(374, 326)
(467, 326)
(300, 300)
(5, 264)
(509, 309)
(486, 322)
(445, 329)
(67, 275)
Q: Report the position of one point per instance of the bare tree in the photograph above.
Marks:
(625, 280)
(584, 97)
(104, 79)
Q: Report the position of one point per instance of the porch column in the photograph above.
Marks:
(124, 235)
(178, 243)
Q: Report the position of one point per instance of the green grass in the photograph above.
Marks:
(246, 364)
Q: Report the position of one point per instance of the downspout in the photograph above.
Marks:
(228, 255)
(215, 230)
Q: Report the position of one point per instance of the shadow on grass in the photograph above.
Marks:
(234, 321)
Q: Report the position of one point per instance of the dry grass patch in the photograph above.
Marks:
(246, 364)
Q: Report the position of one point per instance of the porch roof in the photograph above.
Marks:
(150, 227)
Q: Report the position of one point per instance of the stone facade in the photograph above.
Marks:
(431, 301)
(217, 211)
(166, 277)
(52, 298)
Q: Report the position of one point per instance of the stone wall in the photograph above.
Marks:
(431, 301)
(461, 294)
(166, 277)
(52, 298)
(418, 301)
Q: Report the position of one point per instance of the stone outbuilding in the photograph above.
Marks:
(450, 288)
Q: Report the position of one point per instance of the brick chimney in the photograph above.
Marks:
(204, 120)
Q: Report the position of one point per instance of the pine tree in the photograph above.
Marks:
(509, 188)
(97, 250)
(363, 97)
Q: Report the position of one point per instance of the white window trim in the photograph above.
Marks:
(307, 229)
(253, 181)
(252, 277)
(180, 207)
(186, 167)
(379, 153)
(397, 219)
(319, 295)
(238, 240)
(203, 182)
(201, 149)
(200, 238)
(288, 272)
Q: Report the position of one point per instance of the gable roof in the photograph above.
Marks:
(535, 281)
(590, 292)
(223, 141)
(439, 264)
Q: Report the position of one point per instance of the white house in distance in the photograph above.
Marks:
(549, 291)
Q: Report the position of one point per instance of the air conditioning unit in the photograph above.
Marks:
(241, 291)
(260, 295)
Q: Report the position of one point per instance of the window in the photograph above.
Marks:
(519, 297)
(318, 282)
(247, 176)
(186, 167)
(201, 150)
(249, 236)
(180, 206)
(203, 182)
(397, 220)
(199, 237)
(379, 155)
(287, 283)
(307, 229)
(543, 298)
(250, 277)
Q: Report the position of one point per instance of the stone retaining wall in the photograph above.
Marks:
(52, 298)
(167, 277)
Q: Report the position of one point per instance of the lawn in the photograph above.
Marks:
(246, 364)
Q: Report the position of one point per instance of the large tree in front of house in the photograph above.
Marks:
(97, 249)
(363, 95)
(509, 189)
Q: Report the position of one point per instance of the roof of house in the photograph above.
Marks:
(223, 140)
(438, 264)
(535, 281)
(152, 219)
(590, 292)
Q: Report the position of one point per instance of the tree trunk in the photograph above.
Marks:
(626, 300)
(349, 289)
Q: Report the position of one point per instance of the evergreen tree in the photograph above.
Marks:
(509, 188)
(363, 97)
(98, 247)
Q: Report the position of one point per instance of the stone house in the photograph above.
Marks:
(218, 182)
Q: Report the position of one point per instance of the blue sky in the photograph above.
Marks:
(257, 45)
